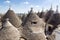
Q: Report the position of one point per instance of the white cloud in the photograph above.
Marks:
(31, 5)
(0, 6)
(7, 1)
(37, 6)
(26, 2)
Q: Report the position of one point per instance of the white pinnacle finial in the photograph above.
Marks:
(57, 8)
(9, 6)
(51, 7)
(42, 9)
(31, 11)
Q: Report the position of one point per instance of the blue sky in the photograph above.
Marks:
(21, 6)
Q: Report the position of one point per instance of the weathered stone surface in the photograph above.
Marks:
(13, 18)
(33, 27)
(9, 32)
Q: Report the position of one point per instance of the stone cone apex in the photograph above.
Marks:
(13, 18)
(32, 24)
(41, 14)
(32, 18)
(9, 32)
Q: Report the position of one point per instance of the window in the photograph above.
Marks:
(49, 28)
(33, 22)
(22, 38)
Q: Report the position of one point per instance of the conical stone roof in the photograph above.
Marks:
(41, 14)
(55, 19)
(9, 32)
(13, 18)
(33, 25)
(48, 14)
(23, 17)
